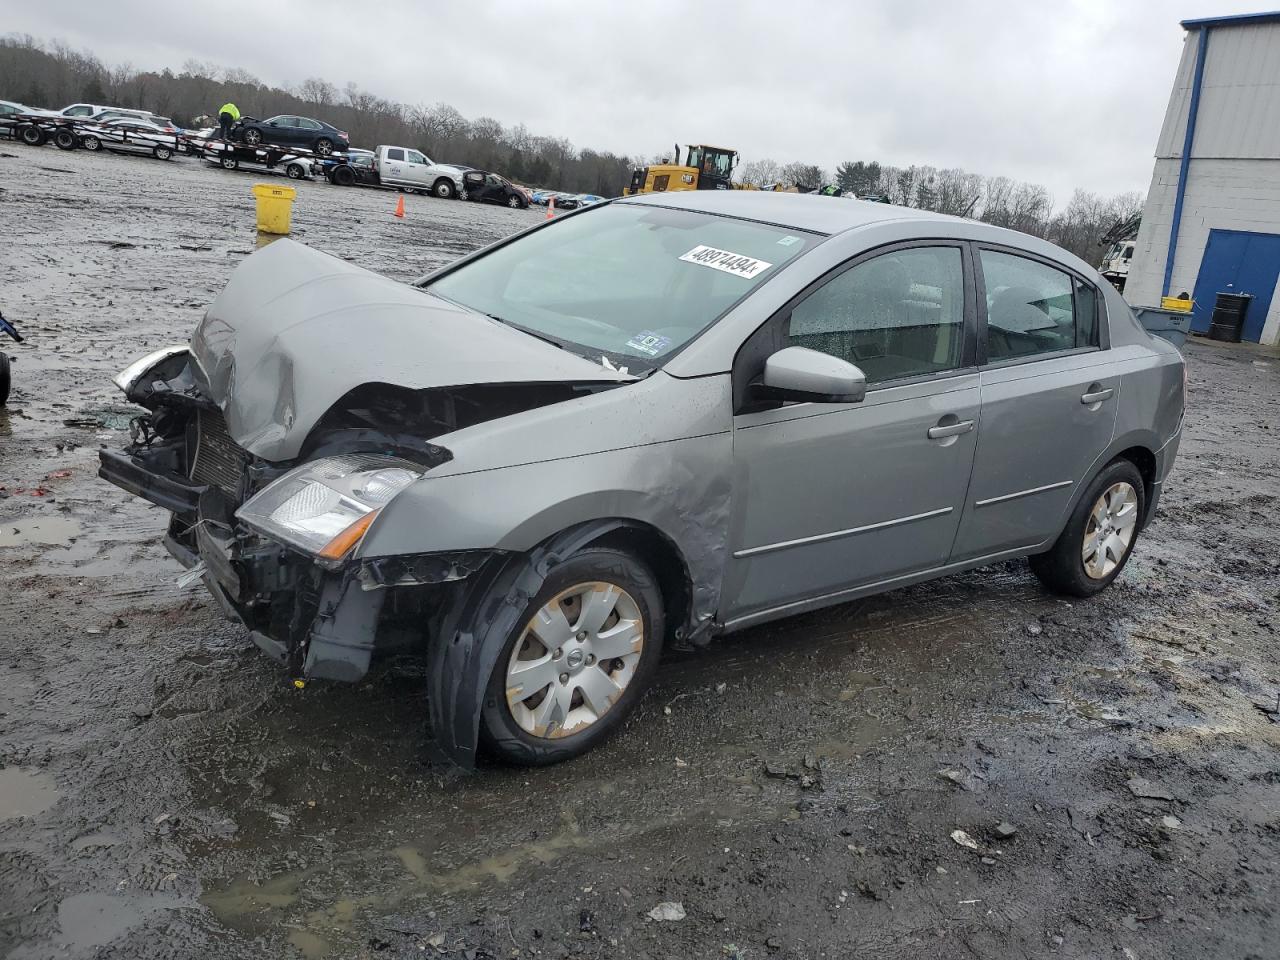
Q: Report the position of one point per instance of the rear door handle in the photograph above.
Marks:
(1097, 396)
(950, 430)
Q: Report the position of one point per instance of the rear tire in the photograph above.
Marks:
(1100, 535)
(618, 678)
(228, 163)
(4, 378)
(162, 153)
(343, 177)
(294, 171)
(91, 143)
(32, 136)
(324, 147)
(65, 140)
(444, 189)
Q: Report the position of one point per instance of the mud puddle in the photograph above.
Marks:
(46, 531)
(25, 793)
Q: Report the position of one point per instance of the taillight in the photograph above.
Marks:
(342, 134)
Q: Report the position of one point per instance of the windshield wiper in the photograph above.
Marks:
(537, 336)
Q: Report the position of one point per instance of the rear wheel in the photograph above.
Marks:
(1099, 537)
(90, 142)
(64, 140)
(580, 662)
(162, 153)
(324, 146)
(343, 176)
(228, 162)
(444, 189)
(32, 136)
(294, 171)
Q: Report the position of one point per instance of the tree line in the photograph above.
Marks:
(1000, 201)
(55, 75)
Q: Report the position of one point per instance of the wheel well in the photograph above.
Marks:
(1145, 461)
(665, 560)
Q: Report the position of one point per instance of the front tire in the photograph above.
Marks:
(444, 189)
(252, 137)
(91, 143)
(228, 163)
(162, 153)
(1099, 538)
(586, 650)
(294, 171)
(64, 140)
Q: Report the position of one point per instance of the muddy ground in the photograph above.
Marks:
(164, 793)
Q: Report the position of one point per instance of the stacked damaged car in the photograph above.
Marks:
(638, 425)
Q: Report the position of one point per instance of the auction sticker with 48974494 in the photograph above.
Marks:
(726, 261)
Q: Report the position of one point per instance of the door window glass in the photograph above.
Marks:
(1032, 308)
(898, 315)
(416, 157)
(395, 153)
(306, 124)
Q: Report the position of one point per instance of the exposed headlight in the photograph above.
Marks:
(130, 375)
(324, 507)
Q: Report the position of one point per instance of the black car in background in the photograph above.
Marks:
(491, 188)
(287, 130)
(356, 170)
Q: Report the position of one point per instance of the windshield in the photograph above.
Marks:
(628, 280)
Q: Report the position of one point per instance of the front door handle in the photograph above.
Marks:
(1096, 396)
(950, 429)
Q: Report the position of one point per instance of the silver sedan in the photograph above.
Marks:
(646, 423)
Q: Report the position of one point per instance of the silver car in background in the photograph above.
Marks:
(645, 423)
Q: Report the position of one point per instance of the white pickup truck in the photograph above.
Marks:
(406, 168)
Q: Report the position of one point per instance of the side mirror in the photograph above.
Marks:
(798, 373)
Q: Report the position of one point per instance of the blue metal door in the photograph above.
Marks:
(1236, 261)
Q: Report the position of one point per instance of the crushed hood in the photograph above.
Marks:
(295, 330)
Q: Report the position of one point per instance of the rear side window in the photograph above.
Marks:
(395, 154)
(1035, 309)
(897, 315)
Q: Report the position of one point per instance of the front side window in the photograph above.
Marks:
(626, 280)
(1035, 309)
(416, 157)
(897, 315)
(79, 111)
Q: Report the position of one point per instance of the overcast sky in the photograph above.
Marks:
(1065, 94)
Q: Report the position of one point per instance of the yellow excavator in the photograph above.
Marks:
(705, 168)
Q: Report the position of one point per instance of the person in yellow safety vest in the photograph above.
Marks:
(228, 115)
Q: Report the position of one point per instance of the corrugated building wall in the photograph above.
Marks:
(1232, 177)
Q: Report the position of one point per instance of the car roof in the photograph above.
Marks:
(803, 211)
(831, 215)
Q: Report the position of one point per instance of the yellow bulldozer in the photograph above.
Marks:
(705, 168)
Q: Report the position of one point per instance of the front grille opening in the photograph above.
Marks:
(219, 461)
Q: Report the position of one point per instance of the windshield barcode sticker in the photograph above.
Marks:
(726, 261)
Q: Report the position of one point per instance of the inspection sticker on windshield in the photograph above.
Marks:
(726, 261)
(650, 344)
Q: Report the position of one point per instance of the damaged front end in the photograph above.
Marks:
(275, 543)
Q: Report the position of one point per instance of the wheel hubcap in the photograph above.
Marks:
(1108, 535)
(575, 658)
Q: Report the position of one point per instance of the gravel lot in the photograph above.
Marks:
(164, 793)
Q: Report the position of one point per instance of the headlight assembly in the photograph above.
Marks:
(324, 507)
(127, 378)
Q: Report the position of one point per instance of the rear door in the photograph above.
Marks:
(1049, 399)
(832, 497)
(392, 165)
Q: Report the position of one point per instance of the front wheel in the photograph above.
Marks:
(162, 153)
(228, 163)
(91, 143)
(294, 171)
(444, 189)
(64, 140)
(579, 664)
(252, 137)
(1099, 537)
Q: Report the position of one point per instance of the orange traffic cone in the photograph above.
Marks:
(400, 207)
(551, 207)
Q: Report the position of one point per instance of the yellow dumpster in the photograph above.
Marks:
(274, 206)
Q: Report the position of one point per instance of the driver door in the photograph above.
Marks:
(831, 497)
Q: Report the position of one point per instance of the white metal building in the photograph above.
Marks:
(1212, 218)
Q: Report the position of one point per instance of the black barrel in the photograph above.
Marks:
(1228, 316)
